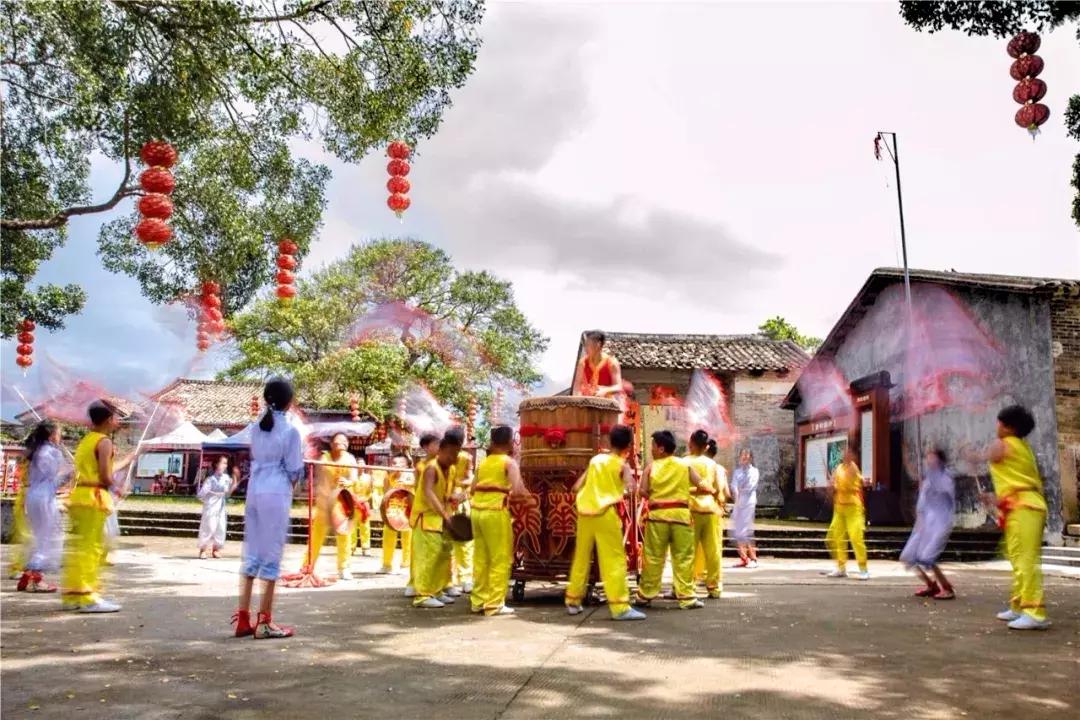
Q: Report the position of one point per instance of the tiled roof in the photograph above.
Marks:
(721, 353)
(212, 402)
(1014, 283)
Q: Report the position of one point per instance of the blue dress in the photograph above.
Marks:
(935, 513)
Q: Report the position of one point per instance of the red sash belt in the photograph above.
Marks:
(668, 504)
(1005, 506)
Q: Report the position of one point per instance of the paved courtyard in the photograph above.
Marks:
(782, 643)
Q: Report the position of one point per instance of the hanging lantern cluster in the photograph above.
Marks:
(25, 351)
(471, 418)
(211, 321)
(155, 206)
(255, 406)
(286, 274)
(496, 407)
(398, 185)
(1030, 89)
(354, 408)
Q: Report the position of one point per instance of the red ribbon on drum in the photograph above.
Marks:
(556, 436)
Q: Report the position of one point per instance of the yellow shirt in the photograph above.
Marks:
(492, 488)
(603, 485)
(848, 485)
(422, 513)
(669, 482)
(462, 473)
(329, 477)
(1017, 476)
(88, 491)
(703, 502)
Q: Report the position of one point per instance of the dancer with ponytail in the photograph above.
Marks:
(705, 506)
(934, 516)
(277, 462)
(47, 471)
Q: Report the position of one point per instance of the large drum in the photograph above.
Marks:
(559, 435)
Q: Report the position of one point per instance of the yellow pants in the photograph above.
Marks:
(659, 537)
(462, 563)
(319, 527)
(493, 549)
(80, 575)
(389, 542)
(20, 533)
(708, 531)
(361, 537)
(430, 564)
(1023, 548)
(848, 521)
(605, 533)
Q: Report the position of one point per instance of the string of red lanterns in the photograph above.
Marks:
(211, 319)
(286, 274)
(471, 418)
(255, 406)
(25, 351)
(496, 407)
(398, 167)
(354, 408)
(158, 182)
(1029, 89)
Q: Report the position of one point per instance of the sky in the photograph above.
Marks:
(672, 167)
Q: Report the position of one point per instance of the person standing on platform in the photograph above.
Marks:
(89, 506)
(277, 462)
(430, 512)
(667, 484)
(429, 448)
(1022, 509)
(705, 505)
(331, 480)
(598, 373)
(744, 482)
(849, 517)
(213, 493)
(599, 489)
(497, 479)
(461, 560)
(47, 471)
(399, 478)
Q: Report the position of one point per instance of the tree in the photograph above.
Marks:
(391, 311)
(1002, 19)
(777, 328)
(232, 85)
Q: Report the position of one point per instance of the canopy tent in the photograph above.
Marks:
(183, 437)
(239, 441)
(216, 434)
(327, 430)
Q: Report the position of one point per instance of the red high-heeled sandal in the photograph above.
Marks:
(928, 591)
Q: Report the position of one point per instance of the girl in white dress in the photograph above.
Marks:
(935, 513)
(744, 482)
(48, 470)
(213, 492)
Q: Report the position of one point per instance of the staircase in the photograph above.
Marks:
(186, 524)
(1066, 555)
(790, 543)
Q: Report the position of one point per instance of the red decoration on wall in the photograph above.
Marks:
(1030, 89)
(398, 168)
(286, 262)
(153, 232)
(25, 350)
(158, 152)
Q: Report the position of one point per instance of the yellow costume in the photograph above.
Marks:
(390, 536)
(599, 526)
(366, 490)
(1019, 491)
(331, 480)
(462, 564)
(89, 505)
(669, 526)
(708, 523)
(430, 546)
(849, 517)
(20, 530)
(493, 535)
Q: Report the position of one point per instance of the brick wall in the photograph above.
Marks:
(1065, 340)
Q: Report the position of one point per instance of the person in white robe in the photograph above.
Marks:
(48, 471)
(744, 482)
(213, 492)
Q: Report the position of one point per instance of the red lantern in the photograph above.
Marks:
(1027, 66)
(398, 167)
(1029, 90)
(354, 408)
(288, 247)
(399, 150)
(156, 205)
(158, 152)
(285, 277)
(1031, 116)
(398, 184)
(398, 203)
(213, 314)
(286, 292)
(203, 336)
(210, 288)
(211, 301)
(203, 345)
(25, 349)
(1023, 43)
(255, 406)
(24, 361)
(28, 325)
(26, 337)
(157, 180)
(153, 232)
(218, 327)
(286, 262)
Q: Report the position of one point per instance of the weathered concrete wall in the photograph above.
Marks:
(1065, 348)
(1021, 324)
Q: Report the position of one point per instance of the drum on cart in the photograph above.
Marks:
(559, 435)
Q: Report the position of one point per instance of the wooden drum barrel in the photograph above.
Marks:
(564, 430)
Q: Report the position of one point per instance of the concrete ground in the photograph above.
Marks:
(783, 643)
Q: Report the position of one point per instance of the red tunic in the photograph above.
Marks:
(599, 377)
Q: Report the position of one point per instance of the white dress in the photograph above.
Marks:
(277, 461)
(744, 482)
(48, 471)
(935, 513)
(213, 493)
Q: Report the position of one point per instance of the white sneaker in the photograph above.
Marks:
(101, 606)
(574, 609)
(862, 575)
(385, 570)
(630, 614)
(452, 591)
(430, 603)
(1026, 622)
(410, 591)
(69, 605)
(446, 599)
(1008, 615)
(835, 574)
(697, 604)
(346, 574)
(504, 610)
(753, 565)
(466, 587)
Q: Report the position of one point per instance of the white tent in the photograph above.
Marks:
(183, 437)
(216, 434)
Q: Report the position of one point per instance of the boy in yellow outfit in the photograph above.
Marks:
(461, 559)
(431, 509)
(89, 505)
(429, 447)
(365, 491)
(1021, 514)
(667, 485)
(400, 478)
(497, 478)
(849, 517)
(599, 489)
(706, 508)
(332, 479)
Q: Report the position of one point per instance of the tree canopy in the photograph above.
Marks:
(1002, 19)
(777, 328)
(390, 312)
(233, 86)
